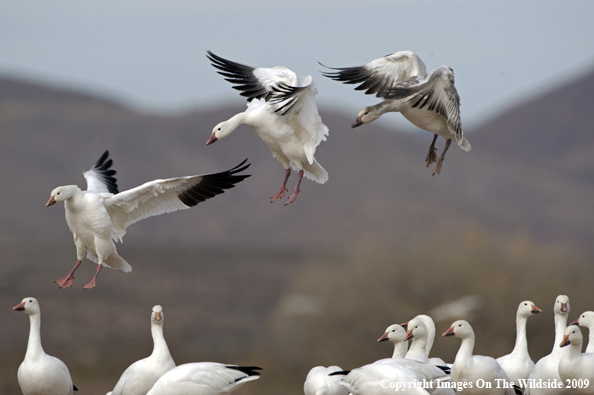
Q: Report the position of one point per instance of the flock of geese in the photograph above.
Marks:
(283, 112)
(566, 370)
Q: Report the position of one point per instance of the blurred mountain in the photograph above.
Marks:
(245, 281)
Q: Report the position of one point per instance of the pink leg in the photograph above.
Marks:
(296, 190)
(67, 281)
(91, 285)
(283, 188)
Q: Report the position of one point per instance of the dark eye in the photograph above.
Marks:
(58, 193)
(219, 128)
(459, 324)
(393, 330)
(31, 301)
(525, 304)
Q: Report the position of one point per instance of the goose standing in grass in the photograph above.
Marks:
(470, 368)
(282, 112)
(396, 334)
(100, 215)
(547, 368)
(140, 377)
(518, 364)
(319, 382)
(204, 378)
(41, 374)
(574, 366)
(430, 102)
(586, 320)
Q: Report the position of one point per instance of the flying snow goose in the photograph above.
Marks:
(547, 368)
(586, 319)
(139, 377)
(574, 366)
(470, 368)
(428, 102)
(100, 215)
(395, 334)
(430, 326)
(204, 378)
(282, 112)
(382, 377)
(518, 364)
(319, 382)
(41, 374)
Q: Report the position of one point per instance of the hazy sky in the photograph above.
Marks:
(151, 53)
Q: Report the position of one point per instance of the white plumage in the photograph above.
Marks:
(586, 320)
(574, 366)
(41, 374)
(140, 377)
(100, 215)
(470, 368)
(319, 382)
(518, 364)
(204, 378)
(282, 112)
(547, 368)
(395, 334)
(430, 102)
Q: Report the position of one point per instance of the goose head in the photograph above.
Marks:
(366, 115)
(562, 305)
(157, 315)
(62, 193)
(527, 308)
(416, 329)
(586, 319)
(394, 333)
(461, 329)
(220, 131)
(28, 305)
(573, 335)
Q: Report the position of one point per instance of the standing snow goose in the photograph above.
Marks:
(574, 366)
(547, 368)
(470, 368)
(428, 102)
(586, 319)
(41, 374)
(100, 215)
(282, 112)
(518, 364)
(204, 378)
(319, 382)
(430, 326)
(396, 334)
(140, 377)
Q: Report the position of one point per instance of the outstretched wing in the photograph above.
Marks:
(300, 102)
(253, 82)
(438, 94)
(100, 178)
(400, 68)
(164, 196)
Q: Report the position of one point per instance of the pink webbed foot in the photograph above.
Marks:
(292, 197)
(90, 285)
(279, 195)
(296, 190)
(65, 282)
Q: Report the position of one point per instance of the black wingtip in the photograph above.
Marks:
(103, 166)
(212, 185)
(340, 373)
(74, 387)
(249, 370)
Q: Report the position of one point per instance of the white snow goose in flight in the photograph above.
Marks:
(428, 102)
(41, 373)
(100, 215)
(282, 112)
